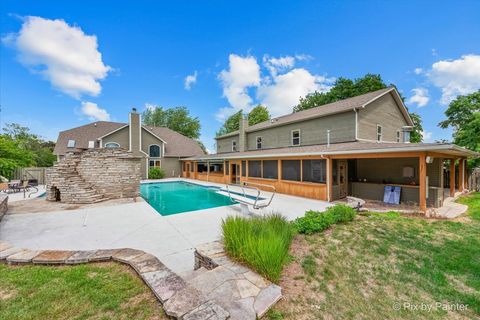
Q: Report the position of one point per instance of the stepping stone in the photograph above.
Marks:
(4, 245)
(212, 279)
(80, 257)
(103, 255)
(52, 257)
(164, 283)
(22, 257)
(256, 279)
(183, 302)
(209, 310)
(8, 252)
(266, 299)
(211, 248)
(126, 255)
(247, 289)
(146, 263)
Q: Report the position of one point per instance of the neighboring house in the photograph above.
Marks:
(355, 146)
(160, 146)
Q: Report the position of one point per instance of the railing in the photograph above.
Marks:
(252, 186)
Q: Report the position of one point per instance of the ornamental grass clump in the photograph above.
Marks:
(315, 221)
(260, 242)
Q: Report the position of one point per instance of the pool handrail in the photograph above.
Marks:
(251, 185)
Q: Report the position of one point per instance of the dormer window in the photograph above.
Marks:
(154, 151)
(71, 144)
(296, 137)
(379, 133)
(234, 146)
(91, 144)
(259, 142)
(112, 145)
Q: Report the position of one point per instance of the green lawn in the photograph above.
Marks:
(90, 291)
(367, 268)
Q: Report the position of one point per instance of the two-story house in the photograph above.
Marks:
(158, 146)
(356, 147)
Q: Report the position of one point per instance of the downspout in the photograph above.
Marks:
(328, 138)
(328, 177)
(356, 123)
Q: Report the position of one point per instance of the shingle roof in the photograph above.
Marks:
(342, 148)
(321, 111)
(177, 145)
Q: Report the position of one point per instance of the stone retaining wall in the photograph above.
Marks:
(3, 205)
(94, 175)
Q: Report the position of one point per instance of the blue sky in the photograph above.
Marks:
(63, 65)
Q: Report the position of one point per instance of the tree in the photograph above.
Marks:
(256, 115)
(12, 156)
(178, 119)
(343, 88)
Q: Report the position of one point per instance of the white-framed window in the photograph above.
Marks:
(379, 133)
(154, 151)
(91, 144)
(112, 145)
(71, 144)
(296, 137)
(406, 136)
(234, 145)
(259, 142)
(154, 163)
(398, 136)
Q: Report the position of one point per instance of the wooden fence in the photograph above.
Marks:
(474, 180)
(30, 173)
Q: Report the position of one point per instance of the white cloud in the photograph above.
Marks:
(418, 70)
(456, 77)
(286, 89)
(427, 136)
(420, 97)
(190, 80)
(63, 54)
(94, 112)
(274, 65)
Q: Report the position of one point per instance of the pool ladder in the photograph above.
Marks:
(244, 203)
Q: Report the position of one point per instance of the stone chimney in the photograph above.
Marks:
(242, 137)
(134, 131)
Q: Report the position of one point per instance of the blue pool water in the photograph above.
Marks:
(178, 196)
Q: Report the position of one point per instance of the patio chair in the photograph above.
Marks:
(14, 186)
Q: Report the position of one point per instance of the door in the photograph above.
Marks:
(342, 178)
(234, 173)
(188, 170)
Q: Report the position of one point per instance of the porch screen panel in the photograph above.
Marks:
(192, 166)
(255, 169)
(244, 168)
(315, 171)
(201, 167)
(270, 169)
(291, 170)
(227, 168)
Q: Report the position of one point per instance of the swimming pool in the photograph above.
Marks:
(178, 196)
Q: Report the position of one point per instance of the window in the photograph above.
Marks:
(244, 168)
(192, 168)
(71, 144)
(255, 169)
(154, 163)
(406, 136)
(91, 144)
(379, 132)
(291, 170)
(270, 169)
(234, 145)
(201, 167)
(314, 171)
(183, 166)
(259, 142)
(154, 151)
(296, 137)
(227, 168)
(398, 135)
(112, 145)
(216, 168)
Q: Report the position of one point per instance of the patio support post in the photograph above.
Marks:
(461, 174)
(329, 179)
(208, 171)
(423, 182)
(452, 177)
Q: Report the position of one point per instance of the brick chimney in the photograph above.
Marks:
(134, 132)
(242, 137)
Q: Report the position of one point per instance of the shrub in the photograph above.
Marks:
(315, 221)
(260, 242)
(156, 173)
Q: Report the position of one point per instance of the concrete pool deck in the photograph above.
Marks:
(172, 239)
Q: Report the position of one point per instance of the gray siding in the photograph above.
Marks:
(225, 144)
(385, 112)
(172, 167)
(149, 139)
(314, 131)
(121, 137)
